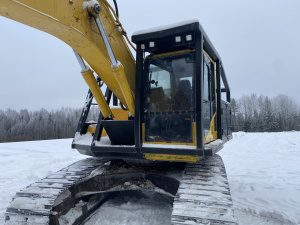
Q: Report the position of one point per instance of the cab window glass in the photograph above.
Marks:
(160, 78)
(205, 83)
(170, 83)
(212, 83)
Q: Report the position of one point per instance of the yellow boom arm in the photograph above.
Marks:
(70, 21)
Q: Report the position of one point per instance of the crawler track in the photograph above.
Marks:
(201, 191)
(203, 196)
(35, 203)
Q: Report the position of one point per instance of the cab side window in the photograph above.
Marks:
(206, 83)
(212, 82)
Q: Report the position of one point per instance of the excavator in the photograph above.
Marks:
(162, 118)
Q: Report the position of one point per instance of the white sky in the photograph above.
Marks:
(257, 40)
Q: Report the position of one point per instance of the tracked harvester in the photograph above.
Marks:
(161, 120)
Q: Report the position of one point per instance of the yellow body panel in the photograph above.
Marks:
(92, 128)
(176, 158)
(212, 133)
(170, 53)
(119, 114)
(71, 23)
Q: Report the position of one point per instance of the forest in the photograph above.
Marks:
(40, 125)
(253, 113)
(250, 113)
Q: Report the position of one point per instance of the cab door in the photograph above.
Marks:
(168, 115)
(208, 93)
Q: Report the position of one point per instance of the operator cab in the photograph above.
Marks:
(178, 86)
(179, 114)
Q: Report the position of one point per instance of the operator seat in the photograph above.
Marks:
(183, 96)
(157, 97)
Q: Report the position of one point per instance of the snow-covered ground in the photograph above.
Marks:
(263, 170)
(23, 163)
(264, 176)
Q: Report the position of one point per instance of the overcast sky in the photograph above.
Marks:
(258, 41)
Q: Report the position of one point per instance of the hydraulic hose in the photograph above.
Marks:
(119, 24)
(116, 8)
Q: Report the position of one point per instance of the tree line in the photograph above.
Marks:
(250, 113)
(40, 125)
(253, 113)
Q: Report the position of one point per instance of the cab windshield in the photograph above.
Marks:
(170, 83)
(169, 98)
